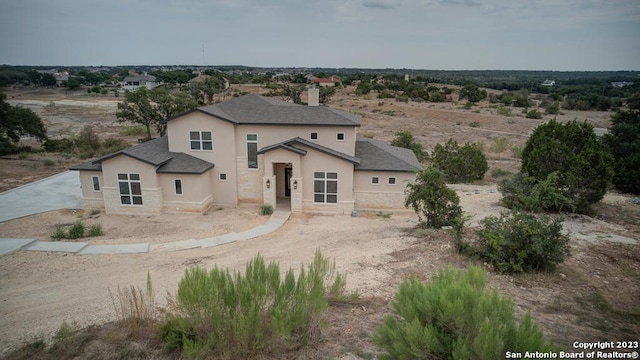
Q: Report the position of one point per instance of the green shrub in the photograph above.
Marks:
(460, 164)
(517, 151)
(521, 242)
(497, 172)
(534, 114)
(95, 230)
(499, 144)
(23, 155)
(59, 232)
(504, 111)
(523, 192)
(405, 139)
(436, 204)
(474, 124)
(552, 108)
(135, 130)
(76, 231)
(624, 143)
(61, 145)
(454, 317)
(582, 162)
(242, 315)
(266, 209)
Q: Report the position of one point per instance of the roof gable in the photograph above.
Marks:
(290, 145)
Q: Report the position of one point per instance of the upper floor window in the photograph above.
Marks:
(340, 136)
(313, 136)
(252, 151)
(201, 140)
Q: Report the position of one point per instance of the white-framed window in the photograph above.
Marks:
(96, 183)
(375, 180)
(130, 189)
(252, 151)
(340, 136)
(223, 177)
(391, 180)
(313, 136)
(201, 140)
(325, 187)
(177, 184)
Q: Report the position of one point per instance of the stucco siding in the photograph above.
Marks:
(197, 192)
(223, 155)
(86, 184)
(269, 135)
(150, 186)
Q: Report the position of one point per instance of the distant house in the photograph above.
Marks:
(252, 149)
(549, 83)
(621, 84)
(133, 83)
(330, 81)
(201, 78)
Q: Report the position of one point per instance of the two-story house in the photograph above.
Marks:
(252, 149)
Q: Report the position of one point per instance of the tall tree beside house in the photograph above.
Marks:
(405, 139)
(16, 121)
(149, 107)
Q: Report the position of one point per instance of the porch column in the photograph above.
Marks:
(269, 190)
(296, 194)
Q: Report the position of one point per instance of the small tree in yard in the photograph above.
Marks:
(521, 242)
(405, 139)
(454, 317)
(572, 150)
(16, 121)
(435, 203)
(624, 143)
(460, 163)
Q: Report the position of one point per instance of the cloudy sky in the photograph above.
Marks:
(417, 34)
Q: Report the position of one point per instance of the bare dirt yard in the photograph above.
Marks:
(593, 296)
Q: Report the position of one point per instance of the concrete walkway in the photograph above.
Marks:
(275, 221)
(60, 191)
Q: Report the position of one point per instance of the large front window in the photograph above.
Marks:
(325, 187)
(201, 140)
(130, 189)
(252, 151)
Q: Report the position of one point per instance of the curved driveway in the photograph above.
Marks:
(61, 191)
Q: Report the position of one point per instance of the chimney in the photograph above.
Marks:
(314, 96)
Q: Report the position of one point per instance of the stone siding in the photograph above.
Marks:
(250, 181)
(373, 200)
(151, 202)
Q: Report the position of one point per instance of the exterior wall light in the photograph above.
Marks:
(295, 184)
(268, 184)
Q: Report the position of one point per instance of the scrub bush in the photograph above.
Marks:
(436, 204)
(460, 163)
(454, 317)
(572, 150)
(521, 242)
(239, 316)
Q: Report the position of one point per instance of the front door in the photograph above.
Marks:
(287, 182)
